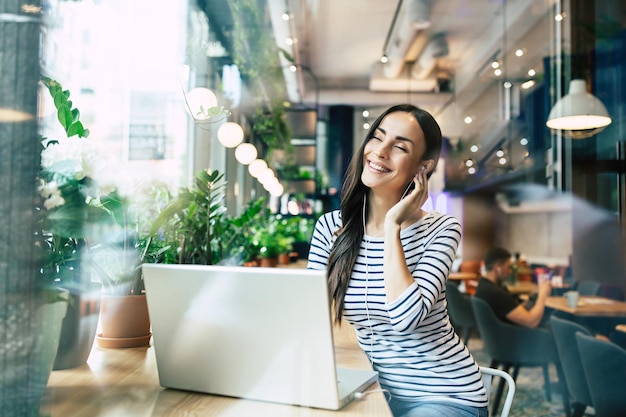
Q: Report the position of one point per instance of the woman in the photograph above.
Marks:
(387, 262)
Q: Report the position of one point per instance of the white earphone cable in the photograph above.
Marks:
(367, 310)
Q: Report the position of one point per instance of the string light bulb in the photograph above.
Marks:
(245, 153)
(230, 134)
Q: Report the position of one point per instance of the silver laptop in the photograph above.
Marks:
(255, 333)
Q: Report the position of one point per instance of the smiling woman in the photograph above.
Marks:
(387, 262)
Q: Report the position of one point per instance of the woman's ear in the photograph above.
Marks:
(428, 165)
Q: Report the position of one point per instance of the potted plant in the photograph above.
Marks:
(195, 228)
(285, 236)
(272, 240)
(301, 229)
(70, 220)
(117, 260)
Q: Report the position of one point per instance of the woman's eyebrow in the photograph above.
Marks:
(400, 138)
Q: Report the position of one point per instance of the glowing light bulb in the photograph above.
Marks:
(245, 153)
(230, 134)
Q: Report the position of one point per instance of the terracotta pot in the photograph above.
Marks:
(284, 259)
(124, 321)
(268, 262)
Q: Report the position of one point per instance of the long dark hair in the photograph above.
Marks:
(345, 251)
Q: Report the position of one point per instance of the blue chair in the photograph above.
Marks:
(564, 332)
(605, 368)
(612, 291)
(460, 311)
(512, 346)
(588, 287)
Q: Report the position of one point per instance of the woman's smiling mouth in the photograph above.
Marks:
(378, 168)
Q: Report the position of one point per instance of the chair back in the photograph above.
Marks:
(605, 366)
(612, 291)
(459, 307)
(564, 332)
(589, 287)
(510, 343)
(488, 374)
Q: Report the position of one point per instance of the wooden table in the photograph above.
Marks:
(589, 306)
(124, 382)
(521, 287)
(462, 276)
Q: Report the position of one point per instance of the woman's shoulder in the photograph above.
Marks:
(333, 216)
(435, 218)
(330, 220)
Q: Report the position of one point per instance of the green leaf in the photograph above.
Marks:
(65, 116)
(59, 99)
(115, 204)
(287, 55)
(75, 112)
(75, 128)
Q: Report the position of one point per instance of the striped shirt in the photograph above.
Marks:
(410, 340)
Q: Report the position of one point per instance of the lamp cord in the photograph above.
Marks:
(393, 24)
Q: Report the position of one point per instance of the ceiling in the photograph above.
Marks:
(340, 42)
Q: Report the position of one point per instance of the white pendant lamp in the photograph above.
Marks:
(230, 134)
(579, 114)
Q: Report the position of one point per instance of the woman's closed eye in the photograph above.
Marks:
(402, 148)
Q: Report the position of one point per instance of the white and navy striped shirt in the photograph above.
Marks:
(410, 340)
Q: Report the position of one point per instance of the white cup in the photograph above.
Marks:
(572, 298)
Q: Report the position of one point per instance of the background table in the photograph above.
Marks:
(589, 306)
(124, 382)
(461, 276)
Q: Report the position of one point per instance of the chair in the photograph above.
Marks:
(460, 311)
(605, 367)
(488, 374)
(512, 346)
(612, 291)
(564, 333)
(588, 287)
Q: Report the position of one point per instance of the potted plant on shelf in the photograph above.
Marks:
(285, 236)
(272, 240)
(266, 247)
(300, 229)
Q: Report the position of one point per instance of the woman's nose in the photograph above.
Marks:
(381, 151)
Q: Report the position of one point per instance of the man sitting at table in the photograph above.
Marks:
(497, 268)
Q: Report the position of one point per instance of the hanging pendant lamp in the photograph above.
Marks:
(578, 114)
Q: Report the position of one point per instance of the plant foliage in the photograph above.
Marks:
(197, 229)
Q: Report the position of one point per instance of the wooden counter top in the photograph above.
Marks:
(124, 382)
